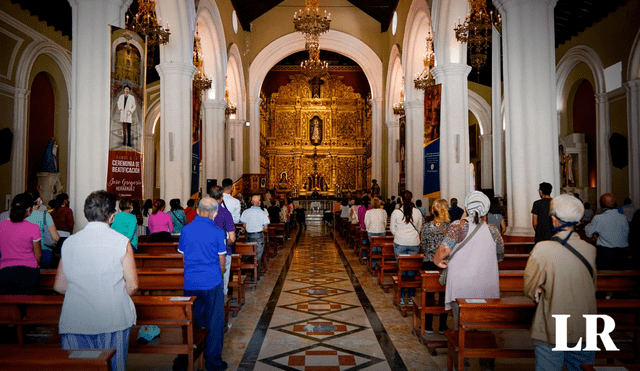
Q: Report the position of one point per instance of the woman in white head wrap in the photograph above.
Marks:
(473, 268)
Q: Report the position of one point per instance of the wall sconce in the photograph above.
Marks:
(247, 124)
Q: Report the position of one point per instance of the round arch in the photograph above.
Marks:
(151, 119)
(334, 41)
(481, 109)
(414, 45)
(213, 46)
(235, 81)
(588, 56)
(62, 58)
(394, 81)
(633, 67)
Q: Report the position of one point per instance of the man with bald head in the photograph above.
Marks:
(203, 245)
(255, 220)
(613, 230)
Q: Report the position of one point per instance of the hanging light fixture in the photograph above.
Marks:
(476, 31)
(145, 23)
(311, 23)
(398, 108)
(424, 79)
(231, 109)
(200, 81)
(314, 67)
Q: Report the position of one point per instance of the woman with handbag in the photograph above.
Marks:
(431, 236)
(48, 229)
(405, 224)
(470, 253)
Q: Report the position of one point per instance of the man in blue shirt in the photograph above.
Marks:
(224, 221)
(455, 212)
(613, 230)
(255, 221)
(204, 250)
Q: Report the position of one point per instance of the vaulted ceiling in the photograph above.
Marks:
(571, 16)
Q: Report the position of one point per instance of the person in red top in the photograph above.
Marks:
(190, 211)
(62, 215)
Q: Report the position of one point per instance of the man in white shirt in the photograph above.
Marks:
(229, 202)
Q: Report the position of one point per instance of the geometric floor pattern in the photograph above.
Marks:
(319, 323)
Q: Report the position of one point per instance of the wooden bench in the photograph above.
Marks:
(518, 247)
(157, 247)
(147, 238)
(146, 260)
(499, 328)
(248, 259)
(363, 246)
(376, 242)
(406, 263)
(513, 262)
(388, 266)
(174, 317)
(237, 283)
(53, 359)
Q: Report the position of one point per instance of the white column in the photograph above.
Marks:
(485, 172)
(254, 135)
(531, 132)
(454, 130)
(176, 84)
(602, 142)
(149, 166)
(393, 166)
(20, 129)
(414, 146)
(633, 128)
(496, 115)
(213, 140)
(90, 114)
(235, 154)
(376, 138)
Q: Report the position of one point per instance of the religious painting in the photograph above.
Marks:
(124, 175)
(432, 98)
(263, 182)
(315, 131)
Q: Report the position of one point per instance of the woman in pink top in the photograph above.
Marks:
(20, 250)
(362, 210)
(160, 223)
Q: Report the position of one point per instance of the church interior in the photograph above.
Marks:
(316, 101)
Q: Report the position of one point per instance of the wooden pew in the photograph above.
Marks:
(248, 255)
(149, 280)
(53, 359)
(499, 328)
(147, 238)
(388, 265)
(406, 263)
(518, 247)
(174, 317)
(237, 283)
(363, 246)
(157, 247)
(146, 260)
(513, 262)
(377, 242)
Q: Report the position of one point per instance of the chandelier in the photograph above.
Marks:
(476, 31)
(200, 81)
(311, 23)
(424, 79)
(231, 109)
(314, 67)
(398, 108)
(145, 23)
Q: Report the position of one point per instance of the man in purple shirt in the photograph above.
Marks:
(224, 221)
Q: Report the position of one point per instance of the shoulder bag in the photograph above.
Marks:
(443, 275)
(46, 235)
(576, 253)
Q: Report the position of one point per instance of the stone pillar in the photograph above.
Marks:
(531, 132)
(393, 166)
(213, 141)
(149, 166)
(486, 164)
(602, 142)
(89, 124)
(496, 115)
(176, 84)
(254, 135)
(454, 130)
(234, 153)
(376, 139)
(633, 129)
(414, 146)
(19, 157)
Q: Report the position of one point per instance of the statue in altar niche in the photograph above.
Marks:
(567, 168)
(315, 131)
(284, 182)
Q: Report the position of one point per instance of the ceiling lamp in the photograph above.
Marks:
(311, 23)
(200, 81)
(231, 109)
(145, 23)
(476, 31)
(398, 108)
(424, 79)
(314, 67)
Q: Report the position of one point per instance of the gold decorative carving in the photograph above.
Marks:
(347, 173)
(346, 125)
(286, 124)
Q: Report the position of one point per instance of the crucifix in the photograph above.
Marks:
(315, 181)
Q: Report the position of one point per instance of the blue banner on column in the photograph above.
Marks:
(431, 186)
(195, 168)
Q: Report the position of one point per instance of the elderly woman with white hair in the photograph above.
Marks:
(561, 277)
(471, 251)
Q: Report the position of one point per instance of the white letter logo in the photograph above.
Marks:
(591, 333)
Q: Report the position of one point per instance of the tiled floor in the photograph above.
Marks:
(317, 309)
